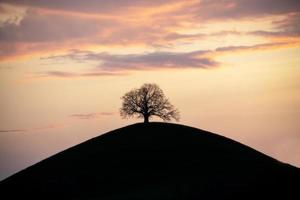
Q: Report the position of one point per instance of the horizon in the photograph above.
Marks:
(230, 67)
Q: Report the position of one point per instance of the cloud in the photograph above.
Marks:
(208, 8)
(119, 65)
(233, 9)
(58, 74)
(38, 32)
(91, 115)
(91, 6)
(64, 74)
(178, 36)
(11, 14)
(38, 26)
(116, 65)
(268, 33)
(265, 46)
(156, 60)
(42, 128)
(290, 25)
(12, 130)
(287, 27)
(54, 22)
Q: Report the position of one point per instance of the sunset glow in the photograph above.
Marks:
(230, 67)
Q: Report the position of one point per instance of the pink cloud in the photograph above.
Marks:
(49, 25)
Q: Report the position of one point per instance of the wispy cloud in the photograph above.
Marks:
(94, 115)
(12, 130)
(265, 46)
(34, 129)
(64, 74)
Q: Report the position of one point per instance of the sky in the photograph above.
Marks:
(229, 66)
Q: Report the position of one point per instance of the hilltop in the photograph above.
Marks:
(156, 161)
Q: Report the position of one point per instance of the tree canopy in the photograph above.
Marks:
(146, 102)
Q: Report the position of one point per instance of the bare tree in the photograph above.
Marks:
(148, 101)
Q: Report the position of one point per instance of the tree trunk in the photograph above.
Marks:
(146, 119)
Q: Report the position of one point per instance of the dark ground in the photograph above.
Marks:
(156, 161)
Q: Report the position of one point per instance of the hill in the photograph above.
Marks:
(156, 161)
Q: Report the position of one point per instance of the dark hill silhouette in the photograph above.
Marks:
(156, 161)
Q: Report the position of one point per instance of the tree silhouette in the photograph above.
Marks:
(148, 101)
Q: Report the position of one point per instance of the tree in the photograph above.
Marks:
(148, 101)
